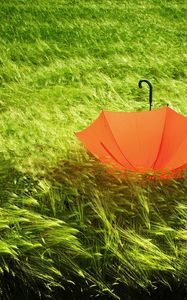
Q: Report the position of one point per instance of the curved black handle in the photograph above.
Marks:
(150, 91)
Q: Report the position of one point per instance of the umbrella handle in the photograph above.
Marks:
(150, 91)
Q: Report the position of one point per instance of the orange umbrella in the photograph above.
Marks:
(150, 141)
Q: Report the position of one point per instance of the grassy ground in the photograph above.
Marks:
(64, 220)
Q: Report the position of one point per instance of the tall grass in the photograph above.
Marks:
(62, 62)
(82, 222)
(66, 223)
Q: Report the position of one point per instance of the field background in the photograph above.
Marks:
(64, 220)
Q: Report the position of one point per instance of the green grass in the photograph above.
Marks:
(62, 215)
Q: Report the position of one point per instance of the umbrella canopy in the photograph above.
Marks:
(148, 141)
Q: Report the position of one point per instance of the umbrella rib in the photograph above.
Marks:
(181, 168)
(116, 142)
(177, 150)
(108, 151)
(161, 142)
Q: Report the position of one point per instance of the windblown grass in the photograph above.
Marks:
(63, 61)
(83, 224)
(66, 223)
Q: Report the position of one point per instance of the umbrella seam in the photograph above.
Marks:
(138, 139)
(116, 142)
(181, 168)
(108, 151)
(161, 141)
(178, 148)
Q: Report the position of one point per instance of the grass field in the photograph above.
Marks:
(67, 226)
